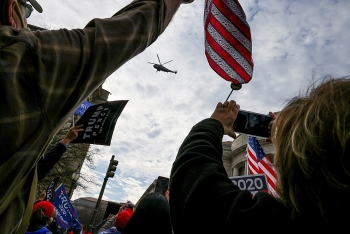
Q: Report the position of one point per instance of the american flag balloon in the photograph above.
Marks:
(228, 44)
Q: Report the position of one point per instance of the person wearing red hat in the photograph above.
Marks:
(123, 218)
(40, 218)
(117, 222)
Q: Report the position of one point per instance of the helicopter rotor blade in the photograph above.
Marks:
(167, 62)
(159, 60)
(151, 63)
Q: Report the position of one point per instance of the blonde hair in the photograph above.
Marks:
(313, 149)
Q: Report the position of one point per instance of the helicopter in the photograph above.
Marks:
(160, 66)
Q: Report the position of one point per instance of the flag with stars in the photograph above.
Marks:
(259, 163)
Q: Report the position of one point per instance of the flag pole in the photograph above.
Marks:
(234, 87)
(229, 95)
(247, 167)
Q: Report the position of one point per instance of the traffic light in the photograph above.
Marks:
(110, 173)
(112, 167)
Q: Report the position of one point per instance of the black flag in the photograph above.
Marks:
(99, 122)
(50, 190)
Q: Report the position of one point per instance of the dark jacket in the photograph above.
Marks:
(201, 188)
(48, 161)
(53, 227)
(204, 200)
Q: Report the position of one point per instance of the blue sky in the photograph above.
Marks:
(293, 41)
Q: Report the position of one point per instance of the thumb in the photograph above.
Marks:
(231, 133)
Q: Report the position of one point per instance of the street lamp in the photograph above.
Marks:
(75, 177)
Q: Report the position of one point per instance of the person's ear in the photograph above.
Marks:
(11, 11)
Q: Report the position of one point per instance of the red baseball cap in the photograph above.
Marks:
(123, 217)
(49, 209)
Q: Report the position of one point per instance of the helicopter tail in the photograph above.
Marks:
(175, 72)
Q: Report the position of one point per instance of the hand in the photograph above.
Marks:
(121, 208)
(72, 133)
(226, 113)
(273, 115)
(166, 194)
(42, 195)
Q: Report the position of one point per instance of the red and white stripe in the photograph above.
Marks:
(228, 43)
(263, 167)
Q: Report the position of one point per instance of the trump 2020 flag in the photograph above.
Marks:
(82, 108)
(99, 122)
(66, 213)
(50, 190)
(228, 43)
(259, 163)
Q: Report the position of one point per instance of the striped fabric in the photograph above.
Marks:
(228, 45)
(259, 163)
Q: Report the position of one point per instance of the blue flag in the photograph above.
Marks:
(66, 213)
(82, 108)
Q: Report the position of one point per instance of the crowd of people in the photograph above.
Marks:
(154, 206)
(311, 135)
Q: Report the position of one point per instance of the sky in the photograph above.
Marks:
(293, 42)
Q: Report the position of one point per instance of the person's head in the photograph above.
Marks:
(129, 204)
(312, 140)
(15, 12)
(123, 218)
(42, 214)
(150, 216)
